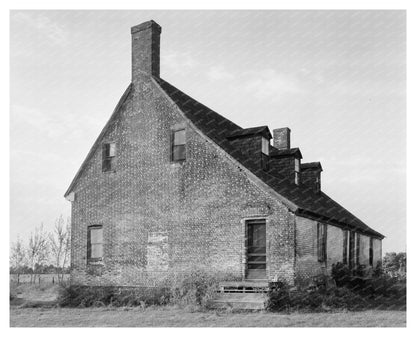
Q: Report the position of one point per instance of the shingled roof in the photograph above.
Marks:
(311, 166)
(308, 203)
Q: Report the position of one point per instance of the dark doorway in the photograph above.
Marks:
(256, 249)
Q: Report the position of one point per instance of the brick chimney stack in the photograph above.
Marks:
(281, 138)
(146, 49)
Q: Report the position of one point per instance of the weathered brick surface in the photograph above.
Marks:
(307, 264)
(160, 216)
(377, 249)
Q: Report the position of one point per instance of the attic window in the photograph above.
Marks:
(297, 171)
(265, 143)
(318, 184)
(109, 154)
(178, 145)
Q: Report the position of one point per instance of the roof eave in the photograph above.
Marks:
(315, 216)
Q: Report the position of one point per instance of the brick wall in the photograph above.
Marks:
(307, 264)
(161, 217)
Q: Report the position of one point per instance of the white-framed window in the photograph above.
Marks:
(297, 171)
(265, 143)
(95, 243)
(109, 154)
(178, 145)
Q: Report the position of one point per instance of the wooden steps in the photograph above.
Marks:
(240, 301)
(243, 295)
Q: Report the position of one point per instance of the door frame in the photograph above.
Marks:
(244, 250)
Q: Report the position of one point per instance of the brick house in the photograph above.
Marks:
(171, 185)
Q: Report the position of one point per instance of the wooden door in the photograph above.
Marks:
(256, 249)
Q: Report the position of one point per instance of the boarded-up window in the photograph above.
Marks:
(109, 154)
(95, 243)
(178, 145)
(322, 237)
(345, 247)
(371, 253)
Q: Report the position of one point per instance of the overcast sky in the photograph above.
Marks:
(336, 78)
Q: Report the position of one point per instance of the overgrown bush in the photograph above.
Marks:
(81, 296)
(195, 287)
(319, 299)
(341, 274)
(353, 290)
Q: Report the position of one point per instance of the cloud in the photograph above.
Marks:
(51, 124)
(177, 62)
(268, 84)
(49, 29)
(219, 73)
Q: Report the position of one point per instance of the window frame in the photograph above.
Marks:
(108, 158)
(174, 146)
(322, 236)
(297, 171)
(345, 240)
(265, 145)
(89, 244)
(352, 249)
(371, 253)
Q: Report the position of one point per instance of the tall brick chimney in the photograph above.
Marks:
(281, 138)
(146, 49)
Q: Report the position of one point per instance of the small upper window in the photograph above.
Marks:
(95, 243)
(318, 184)
(109, 154)
(265, 146)
(178, 145)
(297, 171)
(265, 153)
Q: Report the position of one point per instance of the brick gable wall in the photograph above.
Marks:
(160, 217)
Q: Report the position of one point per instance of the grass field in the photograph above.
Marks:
(174, 317)
(34, 305)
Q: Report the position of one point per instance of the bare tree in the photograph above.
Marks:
(60, 243)
(38, 249)
(18, 257)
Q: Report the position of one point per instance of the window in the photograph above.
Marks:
(357, 250)
(322, 235)
(371, 253)
(318, 184)
(95, 243)
(345, 247)
(351, 252)
(265, 153)
(109, 155)
(178, 145)
(297, 171)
